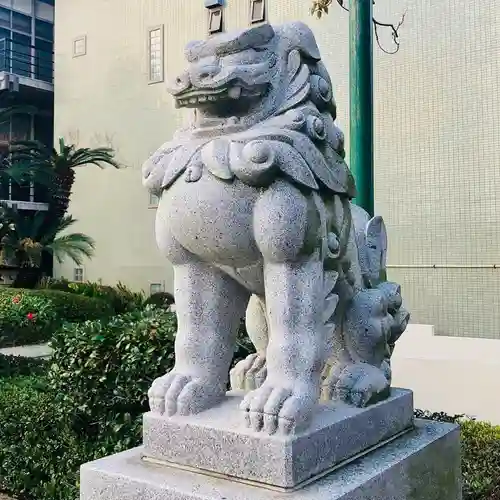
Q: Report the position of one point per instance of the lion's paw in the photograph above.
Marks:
(175, 393)
(361, 384)
(275, 408)
(249, 374)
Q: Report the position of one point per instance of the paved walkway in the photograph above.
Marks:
(28, 351)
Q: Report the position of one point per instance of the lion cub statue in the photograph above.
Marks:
(255, 215)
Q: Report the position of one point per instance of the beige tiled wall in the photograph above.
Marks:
(437, 138)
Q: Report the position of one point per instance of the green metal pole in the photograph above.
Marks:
(361, 100)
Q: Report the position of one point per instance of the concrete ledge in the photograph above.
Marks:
(421, 465)
(216, 441)
(452, 374)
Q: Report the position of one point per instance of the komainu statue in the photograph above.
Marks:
(255, 214)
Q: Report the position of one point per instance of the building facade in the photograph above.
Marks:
(26, 79)
(437, 173)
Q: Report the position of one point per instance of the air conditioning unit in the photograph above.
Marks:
(9, 82)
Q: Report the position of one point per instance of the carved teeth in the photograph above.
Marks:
(234, 92)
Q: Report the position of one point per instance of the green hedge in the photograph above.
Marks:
(32, 316)
(101, 372)
(39, 454)
(15, 366)
(120, 298)
(91, 401)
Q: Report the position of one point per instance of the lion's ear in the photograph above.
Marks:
(301, 38)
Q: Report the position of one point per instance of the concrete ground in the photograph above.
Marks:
(28, 351)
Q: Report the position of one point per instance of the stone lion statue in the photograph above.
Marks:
(255, 214)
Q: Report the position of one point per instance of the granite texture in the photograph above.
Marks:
(217, 441)
(421, 465)
(255, 214)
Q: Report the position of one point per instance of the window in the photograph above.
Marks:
(155, 288)
(215, 23)
(44, 11)
(45, 30)
(4, 18)
(153, 200)
(155, 54)
(23, 6)
(257, 11)
(44, 60)
(78, 274)
(22, 23)
(80, 46)
(21, 54)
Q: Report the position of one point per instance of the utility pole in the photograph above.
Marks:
(361, 100)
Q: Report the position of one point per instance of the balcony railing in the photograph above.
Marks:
(26, 60)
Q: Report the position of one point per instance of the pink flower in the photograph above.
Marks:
(16, 299)
(30, 316)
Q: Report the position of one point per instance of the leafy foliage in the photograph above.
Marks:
(480, 455)
(160, 299)
(39, 454)
(16, 366)
(120, 297)
(90, 403)
(26, 319)
(32, 316)
(27, 236)
(102, 371)
(62, 162)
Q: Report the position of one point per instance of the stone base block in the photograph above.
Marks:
(217, 441)
(423, 464)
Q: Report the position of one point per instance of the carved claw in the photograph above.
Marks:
(274, 408)
(175, 393)
(360, 384)
(249, 374)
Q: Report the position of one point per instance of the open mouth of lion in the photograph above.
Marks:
(234, 100)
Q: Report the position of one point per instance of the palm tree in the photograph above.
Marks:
(62, 162)
(25, 238)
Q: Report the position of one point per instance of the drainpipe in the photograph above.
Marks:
(361, 100)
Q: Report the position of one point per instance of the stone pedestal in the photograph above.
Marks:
(374, 453)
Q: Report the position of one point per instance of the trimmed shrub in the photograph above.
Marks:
(101, 372)
(91, 402)
(39, 454)
(26, 319)
(160, 299)
(120, 298)
(480, 455)
(15, 366)
(32, 316)
(68, 306)
(481, 460)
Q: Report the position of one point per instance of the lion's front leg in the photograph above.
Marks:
(209, 305)
(294, 301)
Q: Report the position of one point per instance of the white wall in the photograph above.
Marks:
(455, 375)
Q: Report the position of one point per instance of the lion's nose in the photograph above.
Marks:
(182, 81)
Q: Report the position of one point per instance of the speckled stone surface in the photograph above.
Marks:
(255, 214)
(218, 441)
(421, 465)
